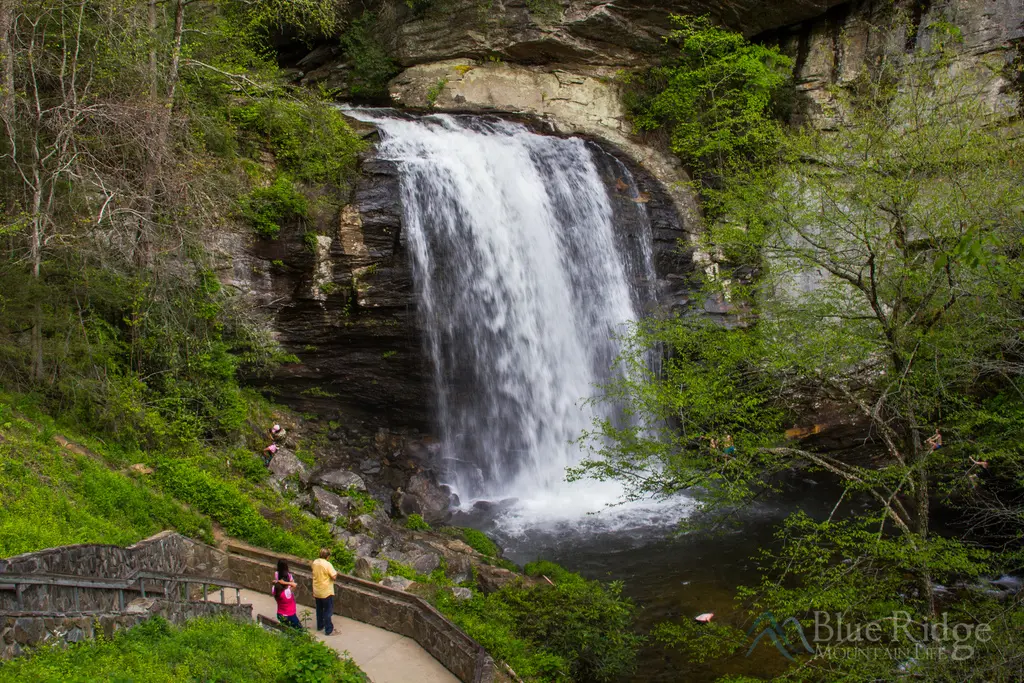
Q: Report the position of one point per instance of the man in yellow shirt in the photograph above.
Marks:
(323, 591)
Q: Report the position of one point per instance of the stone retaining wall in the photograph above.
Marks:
(386, 608)
(167, 552)
(170, 552)
(19, 631)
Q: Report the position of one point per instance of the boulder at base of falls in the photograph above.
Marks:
(375, 524)
(340, 480)
(286, 464)
(396, 582)
(361, 544)
(424, 561)
(366, 565)
(459, 566)
(461, 592)
(492, 579)
(424, 496)
(329, 506)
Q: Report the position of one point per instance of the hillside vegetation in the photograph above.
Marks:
(202, 650)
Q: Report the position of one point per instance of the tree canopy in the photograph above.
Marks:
(876, 266)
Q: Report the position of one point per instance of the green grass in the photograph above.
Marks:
(52, 496)
(477, 540)
(201, 650)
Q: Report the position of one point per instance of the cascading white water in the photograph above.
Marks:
(522, 291)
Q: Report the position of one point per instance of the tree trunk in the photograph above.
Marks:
(6, 59)
(36, 250)
(161, 112)
(921, 511)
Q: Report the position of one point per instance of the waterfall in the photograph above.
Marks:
(523, 284)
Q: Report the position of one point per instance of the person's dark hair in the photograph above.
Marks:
(282, 575)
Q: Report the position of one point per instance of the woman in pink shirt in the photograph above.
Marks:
(284, 593)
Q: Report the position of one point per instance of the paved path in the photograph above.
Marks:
(386, 657)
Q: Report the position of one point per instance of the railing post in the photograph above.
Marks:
(222, 595)
(17, 593)
(142, 586)
(205, 597)
(120, 599)
(78, 606)
(167, 590)
(238, 597)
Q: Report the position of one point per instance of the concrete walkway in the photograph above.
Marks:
(386, 657)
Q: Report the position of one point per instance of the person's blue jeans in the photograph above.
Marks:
(290, 620)
(324, 609)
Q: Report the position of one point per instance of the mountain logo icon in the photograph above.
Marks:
(770, 628)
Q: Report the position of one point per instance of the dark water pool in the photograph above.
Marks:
(672, 577)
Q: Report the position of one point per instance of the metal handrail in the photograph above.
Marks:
(134, 581)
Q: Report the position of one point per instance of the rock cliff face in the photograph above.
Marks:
(833, 49)
(346, 305)
(576, 32)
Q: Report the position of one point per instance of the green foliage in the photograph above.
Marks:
(396, 568)
(268, 208)
(709, 388)
(249, 465)
(415, 523)
(371, 64)
(202, 649)
(310, 241)
(362, 502)
(877, 265)
(576, 630)
(310, 661)
(715, 97)
(309, 137)
(311, 18)
(54, 497)
(478, 541)
(225, 502)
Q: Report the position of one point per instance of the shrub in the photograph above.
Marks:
(372, 66)
(577, 629)
(362, 502)
(309, 137)
(716, 97)
(267, 208)
(478, 541)
(415, 522)
(405, 571)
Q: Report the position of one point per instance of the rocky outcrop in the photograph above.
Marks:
(340, 480)
(286, 470)
(366, 567)
(591, 32)
(425, 497)
(580, 101)
(833, 49)
(329, 506)
(344, 307)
